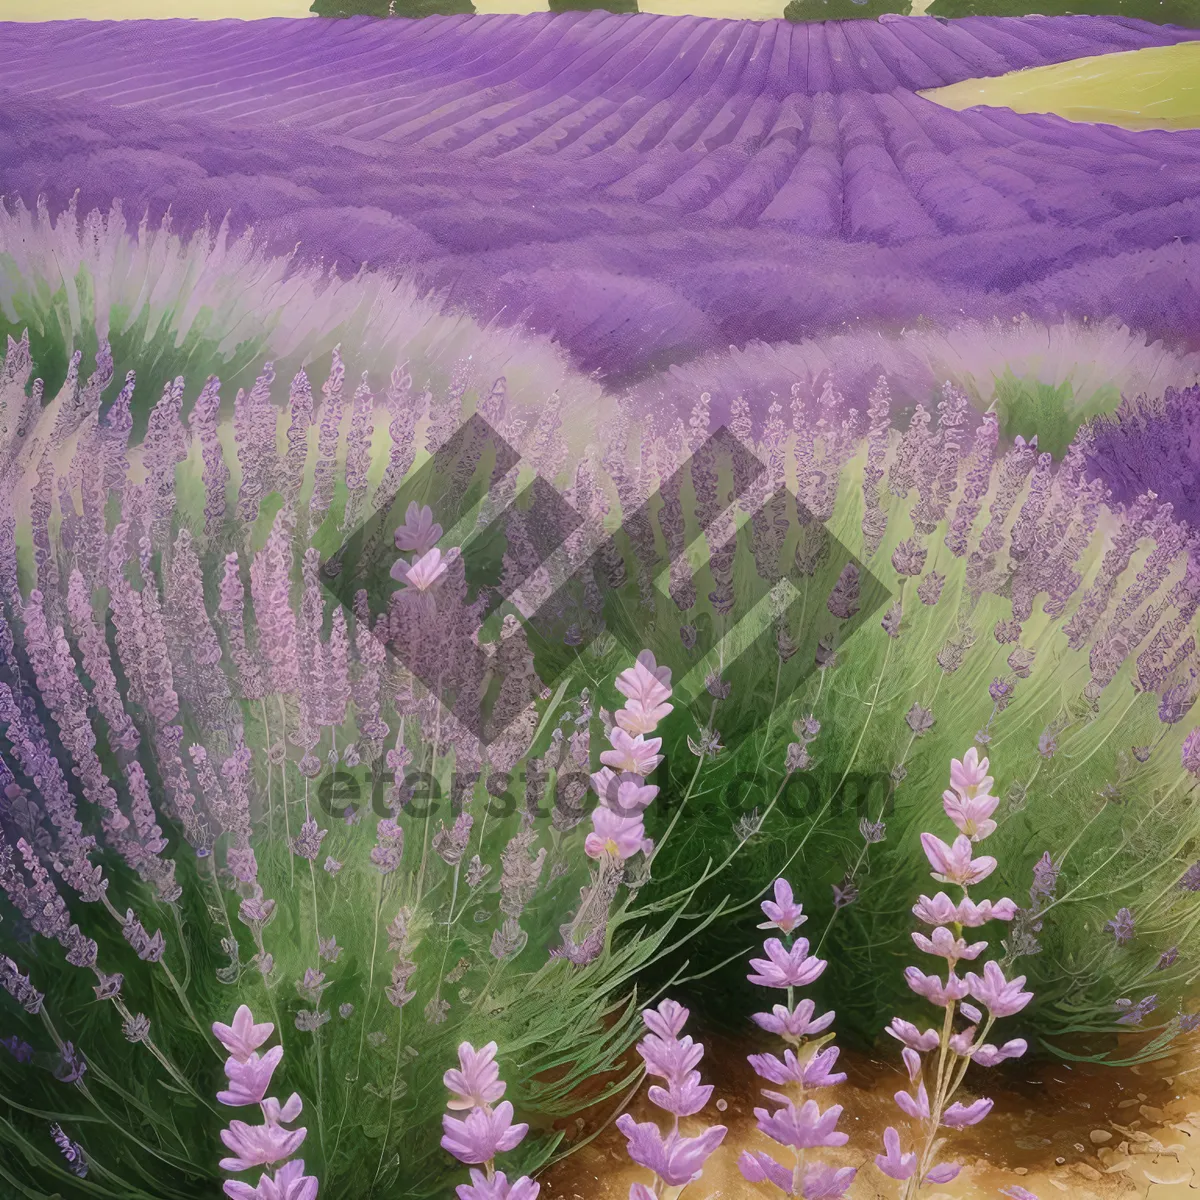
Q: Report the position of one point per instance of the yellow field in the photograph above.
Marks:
(1156, 88)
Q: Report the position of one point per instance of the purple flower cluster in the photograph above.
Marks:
(969, 804)
(618, 832)
(269, 1144)
(486, 1130)
(675, 1159)
(797, 1123)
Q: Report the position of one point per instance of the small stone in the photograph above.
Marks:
(1079, 1147)
(1099, 1137)
(1020, 1170)
(1142, 1096)
(1060, 1161)
(1087, 1171)
(1153, 1114)
(1128, 1103)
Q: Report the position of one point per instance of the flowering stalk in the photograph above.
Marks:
(618, 832)
(486, 1130)
(675, 1160)
(969, 804)
(249, 1074)
(806, 1064)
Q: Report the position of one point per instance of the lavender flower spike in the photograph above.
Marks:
(676, 1160)
(797, 1121)
(485, 1131)
(268, 1144)
(969, 804)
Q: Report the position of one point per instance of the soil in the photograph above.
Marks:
(1057, 1129)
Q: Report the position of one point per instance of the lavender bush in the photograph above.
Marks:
(175, 685)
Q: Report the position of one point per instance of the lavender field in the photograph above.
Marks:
(643, 189)
(492, 506)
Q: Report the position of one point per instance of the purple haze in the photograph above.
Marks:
(646, 188)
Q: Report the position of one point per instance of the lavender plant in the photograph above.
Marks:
(675, 1160)
(269, 1144)
(487, 1130)
(174, 681)
(175, 688)
(799, 1124)
(945, 587)
(969, 804)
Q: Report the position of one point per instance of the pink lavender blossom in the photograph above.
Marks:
(419, 533)
(250, 1146)
(792, 1024)
(244, 1036)
(483, 1134)
(941, 910)
(616, 837)
(945, 945)
(911, 1037)
(258, 1145)
(645, 682)
(811, 1072)
(250, 1078)
(423, 573)
(937, 991)
(1002, 997)
(804, 1065)
(476, 1083)
(675, 1159)
(631, 753)
(969, 806)
(990, 1056)
(784, 967)
(497, 1187)
(955, 864)
(783, 913)
(958, 1116)
(485, 1131)
(802, 1127)
(893, 1162)
(288, 1183)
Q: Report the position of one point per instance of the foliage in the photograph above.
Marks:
(1161, 12)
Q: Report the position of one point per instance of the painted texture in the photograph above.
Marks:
(1154, 88)
(643, 188)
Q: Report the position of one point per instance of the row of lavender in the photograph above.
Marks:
(181, 576)
(641, 190)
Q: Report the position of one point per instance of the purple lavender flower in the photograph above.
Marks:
(844, 893)
(308, 843)
(71, 1065)
(71, 1151)
(21, 1051)
(1135, 1014)
(1190, 753)
(1121, 926)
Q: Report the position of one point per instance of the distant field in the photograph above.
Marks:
(1155, 88)
(645, 189)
